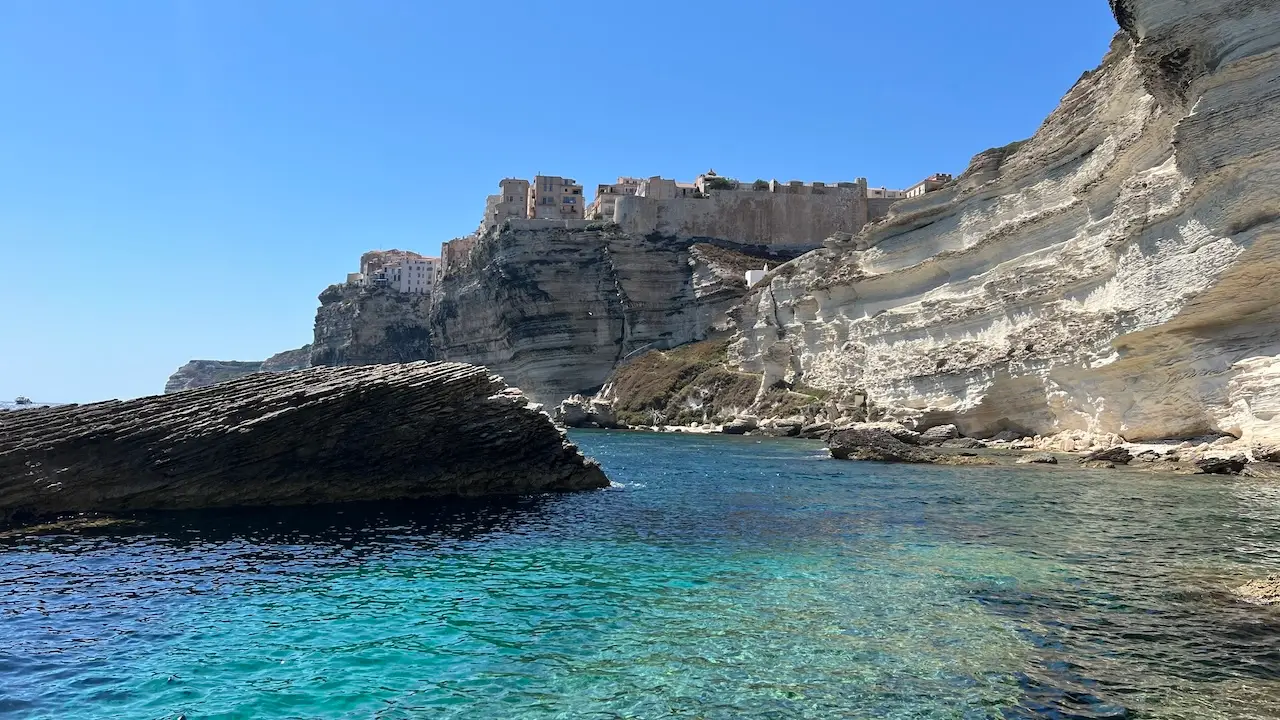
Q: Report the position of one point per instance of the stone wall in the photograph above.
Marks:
(785, 218)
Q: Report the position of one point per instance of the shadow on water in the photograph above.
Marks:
(349, 526)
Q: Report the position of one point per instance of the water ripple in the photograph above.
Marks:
(718, 578)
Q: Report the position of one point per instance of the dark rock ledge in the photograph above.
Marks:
(323, 435)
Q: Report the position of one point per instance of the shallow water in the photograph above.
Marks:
(722, 578)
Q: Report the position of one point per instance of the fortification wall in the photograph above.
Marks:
(786, 221)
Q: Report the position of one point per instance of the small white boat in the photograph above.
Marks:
(22, 400)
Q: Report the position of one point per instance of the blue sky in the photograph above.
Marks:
(181, 179)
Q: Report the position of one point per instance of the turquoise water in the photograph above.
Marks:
(721, 578)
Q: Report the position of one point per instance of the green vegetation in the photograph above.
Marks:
(719, 183)
(760, 185)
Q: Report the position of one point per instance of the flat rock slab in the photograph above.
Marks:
(322, 435)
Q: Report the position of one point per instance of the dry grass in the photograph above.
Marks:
(692, 383)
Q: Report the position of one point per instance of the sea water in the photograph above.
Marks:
(719, 578)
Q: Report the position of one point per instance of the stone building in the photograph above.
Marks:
(401, 270)
(555, 198)
(607, 196)
(454, 254)
(792, 216)
(660, 188)
(512, 201)
(934, 182)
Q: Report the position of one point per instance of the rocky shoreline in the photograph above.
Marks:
(944, 444)
(317, 436)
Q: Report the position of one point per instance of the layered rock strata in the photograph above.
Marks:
(1113, 274)
(554, 309)
(358, 325)
(324, 435)
(203, 373)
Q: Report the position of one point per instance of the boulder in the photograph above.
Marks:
(740, 425)
(866, 442)
(577, 411)
(900, 432)
(1098, 464)
(1042, 458)
(816, 430)
(963, 444)
(1267, 453)
(1005, 436)
(602, 414)
(938, 434)
(780, 429)
(323, 435)
(1222, 466)
(1118, 454)
(1262, 470)
(572, 412)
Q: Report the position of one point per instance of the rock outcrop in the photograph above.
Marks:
(323, 435)
(203, 373)
(1265, 591)
(1112, 274)
(370, 325)
(577, 411)
(554, 309)
(873, 443)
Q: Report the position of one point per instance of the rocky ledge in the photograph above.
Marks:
(323, 435)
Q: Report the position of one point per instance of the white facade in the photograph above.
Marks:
(755, 276)
(881, 192)
(414, 274)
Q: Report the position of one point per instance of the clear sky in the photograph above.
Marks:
(180, 179)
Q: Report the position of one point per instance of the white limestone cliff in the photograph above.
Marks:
(1115, 273)
(553, 309)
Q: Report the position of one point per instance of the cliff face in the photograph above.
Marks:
(1112, 274)
(553, 309)
(370, 325)
(202, 373)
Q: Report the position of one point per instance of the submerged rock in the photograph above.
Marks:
(1118, 454)
(1265, 591)
(1042, 458)
(963, 444)
(323, 435)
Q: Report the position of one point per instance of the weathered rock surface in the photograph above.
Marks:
(1112, 274)
(1221, 466)
(1113, 455)
(1041, 458)
(203, 373)
(577, 411)
(1265, 591)
(370, 326)
(322, 435)
(555, 309)
(873, 443)
(938, 434)
(963, 444)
